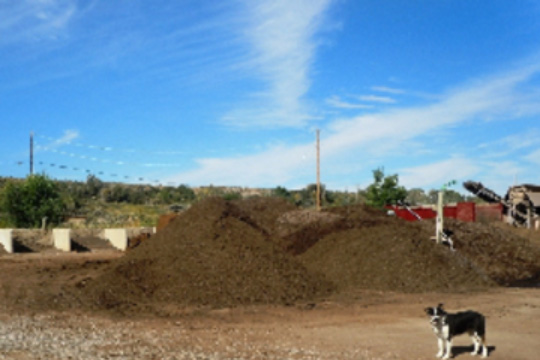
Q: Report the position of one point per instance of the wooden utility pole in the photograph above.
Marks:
(318, 174)
(31, 153)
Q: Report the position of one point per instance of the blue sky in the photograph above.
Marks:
(231, 92)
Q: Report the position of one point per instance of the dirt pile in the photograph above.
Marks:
(500, 252)
(165, 220)
(374, 251)
(215, 255)
(264, 250)
(299, 230)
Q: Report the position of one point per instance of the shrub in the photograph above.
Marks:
(26, 203)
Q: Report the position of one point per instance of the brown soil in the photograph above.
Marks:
(214, 255)
(164, 220)
(264, 251)
(502, 254)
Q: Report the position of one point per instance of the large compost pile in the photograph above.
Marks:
(216, 255)
(265, 251)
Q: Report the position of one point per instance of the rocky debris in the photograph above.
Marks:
(88, 338)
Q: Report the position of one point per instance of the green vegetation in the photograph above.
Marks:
(28, 203)
(94, 203)
(385, 189)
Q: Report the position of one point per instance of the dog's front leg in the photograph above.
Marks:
(440, 343)
(448, 349)
(476, 343)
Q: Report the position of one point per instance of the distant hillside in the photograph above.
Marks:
(95, 203)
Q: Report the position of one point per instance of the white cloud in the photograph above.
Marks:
(388, 90)
(378, 99)
(337, 102)
(34, 20)
(67, 138)
(490, 98)
(438, 173)
(533, 157)
(282, 36)
(53, 143)
(277, 165)
(511, 145)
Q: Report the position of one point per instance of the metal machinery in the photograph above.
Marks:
(521, 204)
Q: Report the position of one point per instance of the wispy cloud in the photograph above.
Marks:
(337, 102)
(519, 141)
(438, 173)
(35, 20)
(497, 176)
(282, 36)
(53, 143)
(488, 99)
(377, 99)
(388, 90)
(533, 157)
(277, 165)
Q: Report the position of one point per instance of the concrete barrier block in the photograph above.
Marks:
(117, 237)
(6, 239)
(62, 239)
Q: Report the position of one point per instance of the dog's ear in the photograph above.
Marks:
(441, 305)
(429, 311)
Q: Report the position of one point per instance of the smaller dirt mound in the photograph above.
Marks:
(213, 255)
(505, 256)
(391, 254)
(264, 212)
(299, 230)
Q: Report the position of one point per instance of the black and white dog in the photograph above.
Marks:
(446, 326)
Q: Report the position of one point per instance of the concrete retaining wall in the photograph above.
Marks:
(6, 239)
(36, 240)
(62, 239)
(117, 237)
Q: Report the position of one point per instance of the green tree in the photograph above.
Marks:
(281, 191)
(185, 194)
(417, 196)
(307, 197)
(450, 196)
(385, 189)
(27, 203)
(93, 185)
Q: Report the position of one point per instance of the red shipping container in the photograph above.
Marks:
(466, 211)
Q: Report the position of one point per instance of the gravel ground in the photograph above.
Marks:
(81, 337)
(385, 326)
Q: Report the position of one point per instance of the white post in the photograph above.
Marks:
(440, 217)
